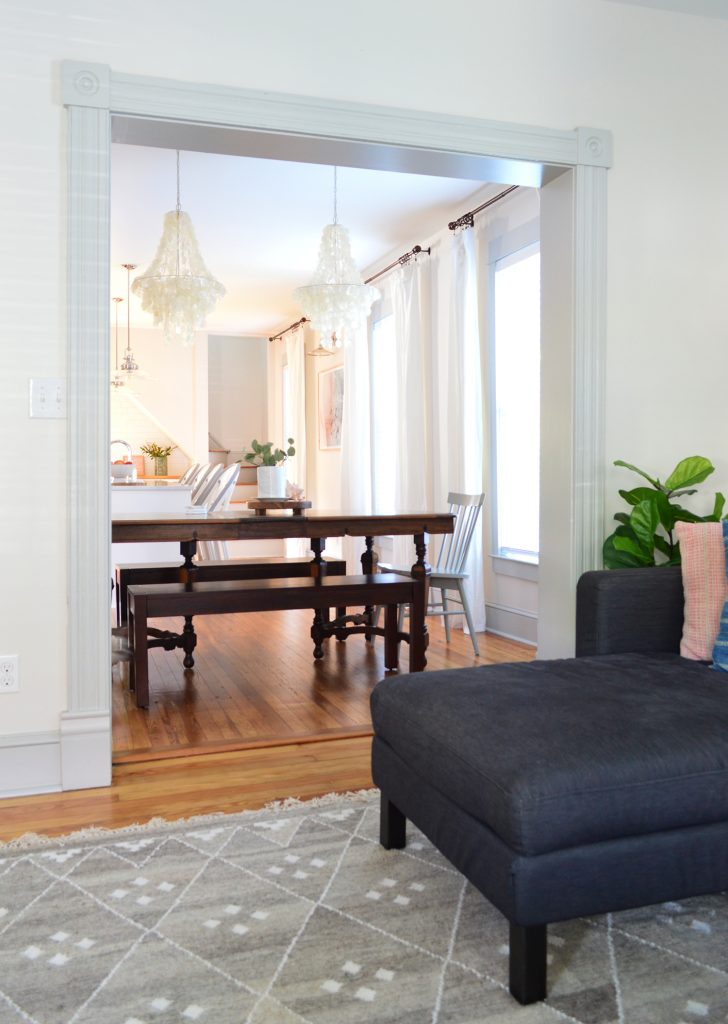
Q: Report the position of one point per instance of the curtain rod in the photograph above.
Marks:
(466, 221)
(401, 262)
(291, 327)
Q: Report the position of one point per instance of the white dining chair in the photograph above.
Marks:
(203, 468)
(203, 487)
(448, 572)
(190, 473)
(217, 501)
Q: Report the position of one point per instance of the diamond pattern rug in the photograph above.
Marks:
(296, 915)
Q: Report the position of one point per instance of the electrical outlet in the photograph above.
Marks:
(9, 673)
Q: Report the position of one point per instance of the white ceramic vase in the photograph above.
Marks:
(272, 481)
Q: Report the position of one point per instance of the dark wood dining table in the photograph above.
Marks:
(314, 526)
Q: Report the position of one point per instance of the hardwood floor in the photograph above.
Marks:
(201, 784)
(255, 683)
(298, 728)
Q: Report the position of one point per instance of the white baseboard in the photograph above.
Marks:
(30, 763)
(85, 749)
(512, 623)
(77, 756)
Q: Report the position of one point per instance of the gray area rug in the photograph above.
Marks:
(294, 915)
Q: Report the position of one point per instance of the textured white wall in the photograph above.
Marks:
(237, 390)
(657, 80)
(171, 383)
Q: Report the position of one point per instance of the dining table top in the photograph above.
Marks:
(238, 525)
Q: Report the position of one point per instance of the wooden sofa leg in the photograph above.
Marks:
(392, 825)
(527, 963)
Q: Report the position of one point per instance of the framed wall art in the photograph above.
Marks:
(330, 407)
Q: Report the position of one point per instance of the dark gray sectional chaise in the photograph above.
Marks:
(568, 787)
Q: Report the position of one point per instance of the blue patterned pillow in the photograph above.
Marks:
(720, 650)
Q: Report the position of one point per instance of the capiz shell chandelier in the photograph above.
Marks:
(337, 300)
(178, 289)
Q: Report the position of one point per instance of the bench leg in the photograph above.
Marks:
(140, 652)
(527, 963)
(189, 642)
(392, 825)
(317, 634)
(391, 642)
(130, 641)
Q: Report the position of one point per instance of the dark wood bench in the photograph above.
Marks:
(225, 597)
(216, 572)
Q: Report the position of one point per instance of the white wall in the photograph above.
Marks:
(167, 402)
(658, 81)
(237, 383)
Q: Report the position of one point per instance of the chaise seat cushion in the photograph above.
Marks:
(554, 754)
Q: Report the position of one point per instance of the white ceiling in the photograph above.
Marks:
(700, 8)
(258, 222)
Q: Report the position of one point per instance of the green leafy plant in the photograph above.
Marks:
(645, 535)
(266, 455)
(157, 451)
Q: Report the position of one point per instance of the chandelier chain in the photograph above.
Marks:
(179, 205)
(179, 210)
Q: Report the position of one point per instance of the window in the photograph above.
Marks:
(516, 403)
(383, 414)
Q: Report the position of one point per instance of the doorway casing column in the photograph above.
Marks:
(85, 728)
(93, 93)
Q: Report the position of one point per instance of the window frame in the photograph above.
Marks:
(523, 239)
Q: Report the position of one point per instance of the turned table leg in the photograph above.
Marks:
(187, 575)
(369, 567)
(419, 638)
(320, 615)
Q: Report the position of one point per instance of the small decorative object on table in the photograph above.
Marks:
(271, 471)
(293, 491)
(262, 505)
(159, 453)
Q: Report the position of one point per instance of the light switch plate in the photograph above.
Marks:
(48, 397)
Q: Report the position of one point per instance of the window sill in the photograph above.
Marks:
(517, 567)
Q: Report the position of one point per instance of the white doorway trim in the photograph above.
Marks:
(92, 93)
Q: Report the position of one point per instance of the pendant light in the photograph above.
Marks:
(177, 288)
(117, 381)
(129, 364)
(337, 300)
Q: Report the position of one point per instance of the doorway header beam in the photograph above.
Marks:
(171, 114)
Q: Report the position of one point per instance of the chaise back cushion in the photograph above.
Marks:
(704, 586)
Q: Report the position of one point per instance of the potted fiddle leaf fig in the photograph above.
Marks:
(645, 535)
(271, 469)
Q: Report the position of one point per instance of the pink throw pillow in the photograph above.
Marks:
(704, 585)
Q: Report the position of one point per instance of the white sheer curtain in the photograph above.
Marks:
(294, 418)
(356, 471)
(275, 362)
(410, 430)
(464, 451)
(294, 422)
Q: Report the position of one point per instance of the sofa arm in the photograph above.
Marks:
(629, 610)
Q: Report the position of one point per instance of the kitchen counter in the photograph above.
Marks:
(150, 496)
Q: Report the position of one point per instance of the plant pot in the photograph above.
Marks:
(160, 465)
(272, 482)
